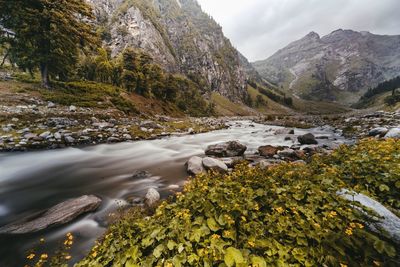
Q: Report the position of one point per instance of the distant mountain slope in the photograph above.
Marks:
(179, 36)
(339, 67)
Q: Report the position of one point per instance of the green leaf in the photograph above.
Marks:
(258, 262)
(171, 244)
(397, 184)
(158, 251)
(212, 224)
(384, 188)
(233, 256)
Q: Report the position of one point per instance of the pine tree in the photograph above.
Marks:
(48, 34)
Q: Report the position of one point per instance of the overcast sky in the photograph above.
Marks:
(258, 28)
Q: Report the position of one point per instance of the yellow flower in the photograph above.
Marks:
(349, 231)
(30, 256)
(332, 214)
(94, 254)
(343, 265)
(317, 225)
(360, 225)
(244, 218)
(252, 244)
(215, 236)
(68, 257)
(279, 209)
(44, 256)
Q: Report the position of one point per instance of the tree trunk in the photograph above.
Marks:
(44, 71)
(4, 58)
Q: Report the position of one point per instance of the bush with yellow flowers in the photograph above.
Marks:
(287, 215)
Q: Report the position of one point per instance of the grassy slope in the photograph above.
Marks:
(271, 107)
(225, 107)
(377, 102)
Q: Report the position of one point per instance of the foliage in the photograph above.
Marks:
(275, 97)
(386, 86)
(135, 71)
(88, 94)
(287, 215)
(392, 99)
(48, 34)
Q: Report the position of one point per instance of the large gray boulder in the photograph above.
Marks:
(227, 149)
(195, 165)
(214, 165)
(59, 214)
(387, 221)
(393, 133)
(307, 139)
(151, 198)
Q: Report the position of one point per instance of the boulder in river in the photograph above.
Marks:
(195, 165)
(381, 131)
(227, 149)
(59, 214)
(268, 151)
(393, 133)
(151, 198)
(214, 165)
(141, 175)
(307, 139)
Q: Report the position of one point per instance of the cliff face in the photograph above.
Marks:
(340, 66)
(179, 36)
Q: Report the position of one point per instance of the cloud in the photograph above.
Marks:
(258, 28)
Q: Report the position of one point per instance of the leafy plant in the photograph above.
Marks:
(287, 215)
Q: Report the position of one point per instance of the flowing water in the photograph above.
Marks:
(33, 181)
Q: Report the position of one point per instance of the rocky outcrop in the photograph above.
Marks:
(179, 36)
(340, 66)
(228, 149)
(60, 214)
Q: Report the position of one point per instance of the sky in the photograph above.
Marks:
(259, 28)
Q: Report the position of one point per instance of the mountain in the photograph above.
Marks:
(179, 36)
(340, 66)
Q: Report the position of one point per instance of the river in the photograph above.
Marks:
(33, 181)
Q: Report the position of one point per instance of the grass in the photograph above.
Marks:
(225, 107)
(271, 107)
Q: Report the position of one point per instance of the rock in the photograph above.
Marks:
(151, 198)
(44, 135)
(69, 139)
(287, 153)
(102, 125)
(59, 214)
(214, 165)
(386, 221)
(51, 104)
(57, 136)
(150, 125)
(381, 131)
(284, 131)
(141, 175)
(268, 151)
(393, 133)
(228, 149)
(30, 136)
(112, 139)
(72, 108)
(307, 139)
(195, 165)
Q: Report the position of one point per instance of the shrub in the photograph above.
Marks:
(287, 215)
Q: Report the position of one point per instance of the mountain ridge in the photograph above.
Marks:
(339, 66)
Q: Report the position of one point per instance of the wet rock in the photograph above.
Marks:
(59, 214)
(228, 149)
(112, 139)
(287, 153)
(307, 139)
(393, 133)
(69, 139)
(195, 165)
(141, 174)
(284, 131)
(151, 198)
(45, 135)
(268, 151)
(57, 136)
(381, 131)
(214, 165)
(386, 221)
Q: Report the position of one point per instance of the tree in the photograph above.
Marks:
(48, 34)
